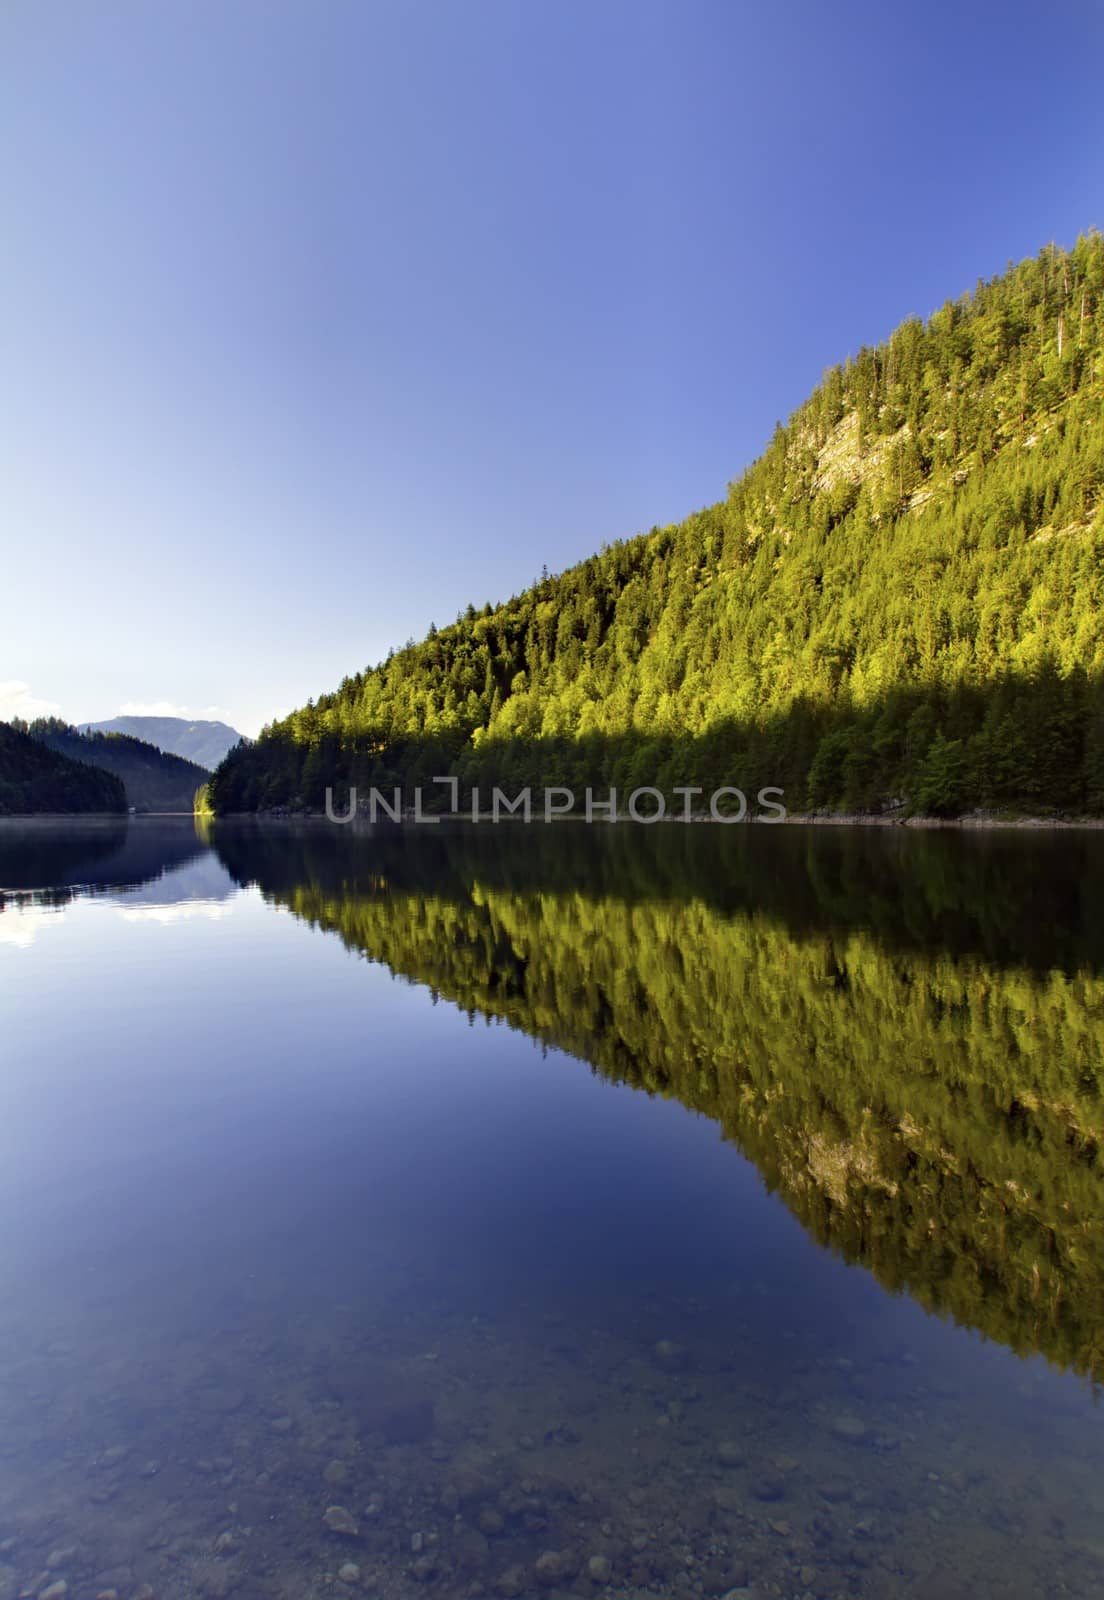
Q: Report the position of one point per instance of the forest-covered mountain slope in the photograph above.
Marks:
(154, 779)
(34, 778)
(900, 601)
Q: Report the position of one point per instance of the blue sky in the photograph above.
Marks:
(318, 322)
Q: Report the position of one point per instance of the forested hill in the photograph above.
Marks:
(36, 779)
(154, 779)
(900, 601)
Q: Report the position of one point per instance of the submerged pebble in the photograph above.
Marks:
(769, 1487)
(668, 1355)
(338, 1520)
(551, 1566)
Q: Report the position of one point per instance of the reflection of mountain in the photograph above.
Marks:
(201, 879)
(873, 1021)
(154, 861)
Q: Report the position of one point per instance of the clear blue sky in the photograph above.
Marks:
(319, 321)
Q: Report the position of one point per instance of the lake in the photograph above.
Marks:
(550, 1211)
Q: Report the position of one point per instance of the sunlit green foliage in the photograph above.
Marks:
(901, 599)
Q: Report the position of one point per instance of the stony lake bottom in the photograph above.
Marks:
(550, 1211)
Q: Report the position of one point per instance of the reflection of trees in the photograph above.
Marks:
(876, 1031)
(79, 856)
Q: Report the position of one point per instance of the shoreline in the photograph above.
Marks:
(969, 823)
(94, 819)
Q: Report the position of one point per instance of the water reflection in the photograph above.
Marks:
(89, 855)
(904, 1035)
(316, 1280)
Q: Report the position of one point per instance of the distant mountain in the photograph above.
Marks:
(203, 742)
(154, 779)
(35, 778)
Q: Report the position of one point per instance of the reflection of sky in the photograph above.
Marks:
(234, 1124)
(21, 925)
(199, 889)
(212, 910)
(238, 1107)
(235, 1081)
(250, 1060)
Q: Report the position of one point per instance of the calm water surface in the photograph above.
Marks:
(550, 1211)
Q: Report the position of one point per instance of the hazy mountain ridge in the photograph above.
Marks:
(204, 742)
(899, 602)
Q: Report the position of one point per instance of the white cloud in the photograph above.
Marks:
(16, 700)
(166, 708)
